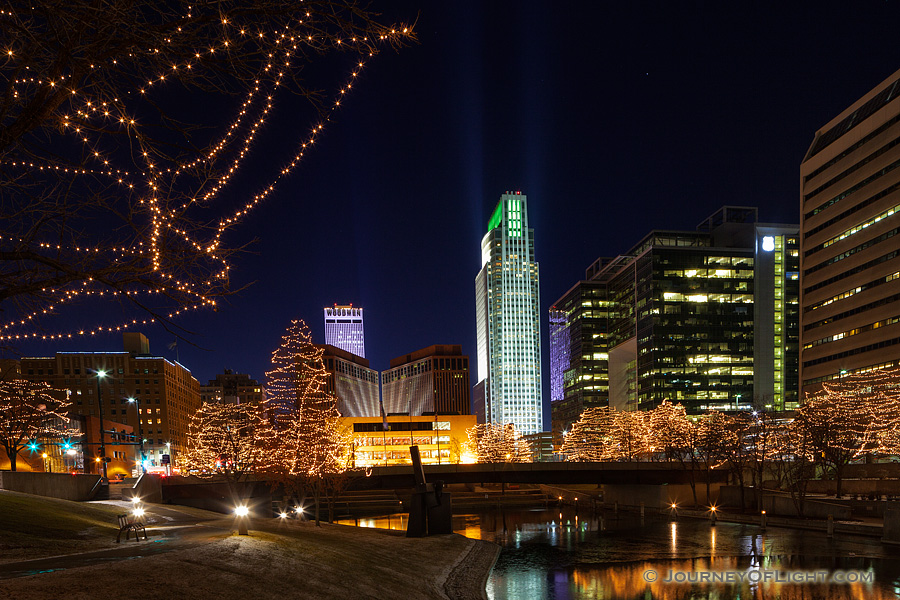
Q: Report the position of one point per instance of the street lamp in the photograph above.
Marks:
(100, 375)
(137, 407)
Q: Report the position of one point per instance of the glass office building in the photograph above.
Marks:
(706, 318)
(508, 330)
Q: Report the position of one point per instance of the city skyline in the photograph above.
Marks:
(610, 121)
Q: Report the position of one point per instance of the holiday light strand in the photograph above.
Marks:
(88, 113)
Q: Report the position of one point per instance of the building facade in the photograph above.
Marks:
(232, 388)
(165, 394)
(850, 218)
(706, 318)
(352, 381)
(579, 352)
(507, 317)
(432, 380)
(344, 329)
(441, 439)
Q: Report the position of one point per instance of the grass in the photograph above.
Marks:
(298, 560)
(34, 526)
(278, 559)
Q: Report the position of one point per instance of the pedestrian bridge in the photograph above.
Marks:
(552, 473)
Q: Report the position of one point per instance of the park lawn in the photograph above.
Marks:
(276, 561)
(35, 526)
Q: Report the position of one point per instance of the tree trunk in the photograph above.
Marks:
(316, 496)
(708, 473)
(839, 479)
(12, 457)
(331, 502)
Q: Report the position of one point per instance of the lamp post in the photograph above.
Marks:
(100, 375)
(137, 408)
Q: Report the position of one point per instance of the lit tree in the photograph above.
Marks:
(589, 438)
(30, 411)
(312, 447)
(737, 450)
(863, 410)
(114, 172)
(497, 443)
(228, 440)
(714, 438)
(829, 433)
(629, 435)
(793, 459)
(670, 431)
(676, 436)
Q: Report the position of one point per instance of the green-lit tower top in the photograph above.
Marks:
(513, 209)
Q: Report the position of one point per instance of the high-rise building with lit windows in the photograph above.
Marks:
(850, 221)
(344, 329)
(433, 380)
(165, 394)
(352, 381)
(706, 318)
(507, 317)
(578, 353)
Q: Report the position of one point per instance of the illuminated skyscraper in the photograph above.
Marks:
(344, 329)
(507, 307)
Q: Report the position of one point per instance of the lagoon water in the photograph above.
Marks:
(563, 554)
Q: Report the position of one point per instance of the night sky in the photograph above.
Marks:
(614, 120)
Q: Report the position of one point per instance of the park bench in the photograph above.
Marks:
(128, 524)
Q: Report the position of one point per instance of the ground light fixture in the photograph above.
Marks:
(241, 513)
(138, 512)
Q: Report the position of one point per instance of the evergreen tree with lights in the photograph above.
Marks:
(312, 449)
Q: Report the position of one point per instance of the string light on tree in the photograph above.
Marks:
(31, 411)
(497, 443)
(111, 191)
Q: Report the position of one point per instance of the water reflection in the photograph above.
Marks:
(568, 555)
(563, 554)
(396, 521)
